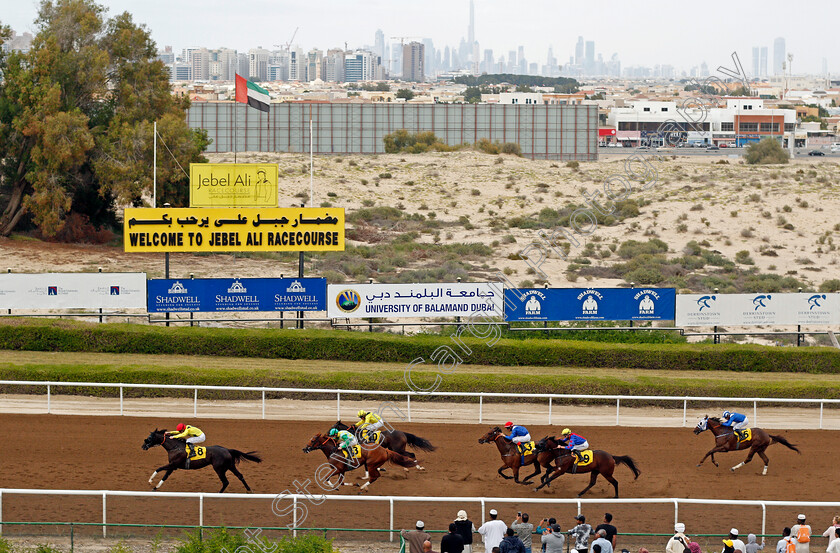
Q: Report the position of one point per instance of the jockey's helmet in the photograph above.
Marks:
(566, 432)
(508, 424)
(333, 431)
(181, 427)
(362, 413)
(726, 414)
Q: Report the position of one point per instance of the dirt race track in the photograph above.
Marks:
(103, 453)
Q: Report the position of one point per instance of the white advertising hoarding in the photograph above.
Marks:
(758, 309)
(454, 299)
(73, 291)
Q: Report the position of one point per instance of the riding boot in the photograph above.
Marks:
(190, 451)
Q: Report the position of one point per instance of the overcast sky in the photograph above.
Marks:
(646, 32)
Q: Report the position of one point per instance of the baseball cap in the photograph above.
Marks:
(556, 528)
(420, 524)
(734, 531)
(679, 527)
(462, 515)
(494, 512)
(801, 517)
(580, 517)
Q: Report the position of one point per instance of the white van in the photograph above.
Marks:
(835, 147)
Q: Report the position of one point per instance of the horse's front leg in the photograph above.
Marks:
(711, 453)
(165, 476)
(503, 475)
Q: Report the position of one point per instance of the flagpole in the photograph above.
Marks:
(235, 123)
(154, 171)
(310, 157)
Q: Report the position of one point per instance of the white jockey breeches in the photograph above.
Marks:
(741, 425)
(521, 439)
(580, 447)
(196, 439)
(375, 426)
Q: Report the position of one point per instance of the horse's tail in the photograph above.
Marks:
(400, 460)
(784, 442)
(249, 456)
(418, 442)
(627, 460)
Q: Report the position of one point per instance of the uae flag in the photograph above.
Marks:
(251, 94)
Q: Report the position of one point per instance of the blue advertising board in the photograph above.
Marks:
(590, 304)
(237, 294)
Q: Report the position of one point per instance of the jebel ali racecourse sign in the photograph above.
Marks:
(233, 229)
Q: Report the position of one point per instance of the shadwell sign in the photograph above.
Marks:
(233, 185)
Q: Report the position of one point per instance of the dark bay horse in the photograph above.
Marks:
(726, 440)
(221, 458)
(603, 464)
(512, 459)
(371, 459)
(395, 440)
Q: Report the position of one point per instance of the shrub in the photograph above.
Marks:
(744, 258)
(512, 148)
(768, 151)
(573, 165)
(634, 248)
(832, 285)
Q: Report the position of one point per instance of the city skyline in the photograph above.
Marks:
(217, 24)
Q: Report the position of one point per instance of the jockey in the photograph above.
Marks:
(191, 433)
(574, 443)
(371, 422)
(737, 421)
(518, 434)
(345, 440)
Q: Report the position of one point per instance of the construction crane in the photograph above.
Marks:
(289, 43)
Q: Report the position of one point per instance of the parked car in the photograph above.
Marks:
(724, 145)
(816, 153)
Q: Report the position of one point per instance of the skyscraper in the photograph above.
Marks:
(471, 29)
(413, 62)
(590, 56)
(778, 55)
(756, 62)
(379, 43)
(429, 58)
(258, 64)
(762, 66)
(579, 51)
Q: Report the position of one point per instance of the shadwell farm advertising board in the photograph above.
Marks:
(452, 299)
(189, 229)
(233, 185)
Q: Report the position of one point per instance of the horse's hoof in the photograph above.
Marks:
(732, 469)
(700, 465)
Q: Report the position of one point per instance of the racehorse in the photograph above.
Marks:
(603, 463)
(222, 458)
(395, 440)
(514, 460)
(726, 440)
(371, 459)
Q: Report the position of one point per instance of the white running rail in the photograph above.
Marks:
(49, 386)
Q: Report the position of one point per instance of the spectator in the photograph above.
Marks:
(581, 534)
(752, 546)
(830, 533)
(596, 548)
(785, 543)
(801, 534)
(834, 546)
(610, 529)
(466, 529)
(728, 546)
(695, 547)
(601, 541)
(511, 543)
(544, 526)
(416, 537)
(679, 541)
(737, 543)
(452, 542)
(553, 539)
(492, 531)
(495, 550)
(523, 530)
(427, 547)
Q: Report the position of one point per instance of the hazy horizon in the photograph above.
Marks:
(657, 33)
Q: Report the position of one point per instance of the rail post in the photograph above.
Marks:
(617, 412)
(578, 507)
(71, 538)
(48, 399)
(195, 402)
(549, 411)
(821, 415)
(480, 409)
(338, 406)
(263, 404)
(755, 412)
(121, 401)
(104, 517)
(676, 511)
(294, 516)
(408, 405)
(763, 520)
(201, 510)
(685, 411)
(391, 525)
(482, 511)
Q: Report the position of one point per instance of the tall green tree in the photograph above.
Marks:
(76, 119)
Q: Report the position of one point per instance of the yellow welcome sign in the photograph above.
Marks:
(233, 185)
(248, 229)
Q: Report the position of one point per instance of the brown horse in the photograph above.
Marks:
(726, 440)
(603, 464)
(371, 459)
(511, 457)
(395, 440)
